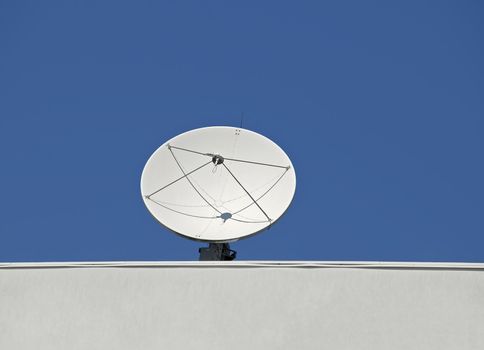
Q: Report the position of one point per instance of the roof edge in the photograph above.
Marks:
(246, 264)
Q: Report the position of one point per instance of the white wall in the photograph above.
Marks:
(241, 306)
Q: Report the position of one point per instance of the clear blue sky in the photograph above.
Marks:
(379, 105)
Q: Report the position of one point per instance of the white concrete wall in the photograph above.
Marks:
(242, 306)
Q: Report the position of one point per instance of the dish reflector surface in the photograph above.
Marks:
(218, 184)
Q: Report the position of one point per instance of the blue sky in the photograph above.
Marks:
(379, 105)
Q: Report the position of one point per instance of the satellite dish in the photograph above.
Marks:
(218, 185)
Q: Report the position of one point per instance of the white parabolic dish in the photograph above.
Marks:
(218, 184)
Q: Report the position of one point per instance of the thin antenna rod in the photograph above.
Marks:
(262, 210)
(181, 177)
(182, 213)
(270, 188)
(258, 163)
(241, 119)
(193, 186)
(231, 159)
(189, 150)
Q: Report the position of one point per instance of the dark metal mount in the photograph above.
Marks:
(217, 252)
(217, 159)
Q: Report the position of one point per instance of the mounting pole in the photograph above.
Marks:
(217, 252)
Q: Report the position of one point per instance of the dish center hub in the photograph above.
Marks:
(225, 216)
(217, 159)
